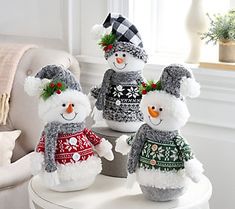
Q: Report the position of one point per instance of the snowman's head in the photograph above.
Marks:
(163, 111)
(70, 106)
(60, 96)
(122, 61)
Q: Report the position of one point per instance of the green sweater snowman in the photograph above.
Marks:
(159, 157)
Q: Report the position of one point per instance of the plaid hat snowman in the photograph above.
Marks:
(124, 36)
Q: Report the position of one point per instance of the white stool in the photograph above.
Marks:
(110, 193)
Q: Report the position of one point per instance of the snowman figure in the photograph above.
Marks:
(118, 97)
(160, 159)
(66, 155)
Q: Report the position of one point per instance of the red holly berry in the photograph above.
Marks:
(109, 47)
(52, 85)
(143, 84)
(154, 85)
(144, 92)
(58, 91)
(59, 85)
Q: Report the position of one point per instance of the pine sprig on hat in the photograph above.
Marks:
(52, 87)
(107, 41)
(150, 85)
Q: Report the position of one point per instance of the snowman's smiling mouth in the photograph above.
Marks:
(68, 119)
(155, 124)
(119, 67)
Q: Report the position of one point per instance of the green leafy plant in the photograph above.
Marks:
(107, 41)
(53, 87)
(222, 28)
(150, 85)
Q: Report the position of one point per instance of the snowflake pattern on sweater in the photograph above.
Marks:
(72, 148)
(165, 155)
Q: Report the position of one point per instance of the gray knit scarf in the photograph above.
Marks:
(146, 132)
(115, 77)
(52, 131)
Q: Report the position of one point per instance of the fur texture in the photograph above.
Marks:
(160, 179)
(34, 86)
(189, 88)
(51, 109)
(161, 195)
(36, 162)
(104, 149)
(122, 146)
(80, 174)
(173, 116)
(126, 127)
(130, 63)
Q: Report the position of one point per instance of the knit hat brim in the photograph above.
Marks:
(128, 47)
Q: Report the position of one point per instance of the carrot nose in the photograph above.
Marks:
(152, 112)
(119, 60)
(69, 109)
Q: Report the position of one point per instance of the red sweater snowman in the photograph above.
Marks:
(66, 156)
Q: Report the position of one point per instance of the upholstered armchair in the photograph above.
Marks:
(23, 116)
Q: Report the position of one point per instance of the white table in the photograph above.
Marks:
(111, 193)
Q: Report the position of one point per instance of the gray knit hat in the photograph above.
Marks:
(179, 81)
(123, 37)
(49, 80)
(57, 73)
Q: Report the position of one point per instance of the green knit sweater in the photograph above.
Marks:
(165, 155)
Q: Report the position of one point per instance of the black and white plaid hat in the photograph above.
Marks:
(127, 37)
(124, 30)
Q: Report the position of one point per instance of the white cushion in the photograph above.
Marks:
(7, 144)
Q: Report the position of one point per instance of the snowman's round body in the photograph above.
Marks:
(159, 156)
(121, 109)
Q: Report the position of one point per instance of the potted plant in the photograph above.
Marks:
(222, 31)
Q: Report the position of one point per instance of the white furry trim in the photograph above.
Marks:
(33, 86)
(104, 149)
(51, 179)
(75, 171)
(160, 179)
(97, 31)
(130, 181)
(193, 169)
(127, 127)
(122, 146)
(36, 162)
(189, 87)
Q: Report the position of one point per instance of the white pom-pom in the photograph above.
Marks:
(130, 181)
(189, 88)
(97, 31)
(32, 85)
(122, 146)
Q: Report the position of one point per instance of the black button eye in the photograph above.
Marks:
(160, 109)
(72, 105)
(63, 105)
(124, 55)
(153, 107)
(116, 54)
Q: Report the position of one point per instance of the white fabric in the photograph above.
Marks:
(161, 179)
(15, 173)
(7, 144)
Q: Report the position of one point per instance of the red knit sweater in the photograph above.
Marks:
(71, 148)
